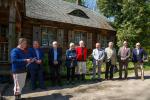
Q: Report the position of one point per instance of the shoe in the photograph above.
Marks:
(18, 97)
(106, 79)
(142, 78)
(33, 89)
(99, 80)
(43, 88)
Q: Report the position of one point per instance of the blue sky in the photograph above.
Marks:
(91, 4)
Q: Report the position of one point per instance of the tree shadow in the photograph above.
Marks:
(55, 96)
(131, 78)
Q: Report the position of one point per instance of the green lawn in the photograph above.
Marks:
(130, 69)
(89, 72)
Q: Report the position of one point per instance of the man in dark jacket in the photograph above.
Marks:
(36, 68)
(138, 57)
(55, 61)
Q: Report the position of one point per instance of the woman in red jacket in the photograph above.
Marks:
(81, 58)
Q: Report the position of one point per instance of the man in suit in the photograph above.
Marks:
(55, 61)
(36, 68)
(138, 57)
(124, 54)
(110, 59)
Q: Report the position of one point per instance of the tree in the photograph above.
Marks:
(132, 20)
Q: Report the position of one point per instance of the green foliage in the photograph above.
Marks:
(45, 64)
(132, 20)
(74, 1)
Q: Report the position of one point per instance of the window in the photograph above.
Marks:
(3, 43)
(102, 40)
(48, 36)
(78, 13)
(80, 36)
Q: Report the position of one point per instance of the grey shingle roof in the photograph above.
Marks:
(57, 10)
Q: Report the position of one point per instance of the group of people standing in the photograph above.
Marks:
(23, 58)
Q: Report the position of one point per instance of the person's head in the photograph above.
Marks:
(138, 45)
(55, 44)
(36, 44)
(72, 46)
(110, 44)
(22, 43)
(81, 43)
(98, 45)
(125, 43)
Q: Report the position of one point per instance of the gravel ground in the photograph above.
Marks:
(131, 89)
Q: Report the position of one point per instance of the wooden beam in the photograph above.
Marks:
(12, 26)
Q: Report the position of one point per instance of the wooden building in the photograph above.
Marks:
(49, 20)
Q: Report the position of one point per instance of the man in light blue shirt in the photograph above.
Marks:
(55, 54)
(36, 68)
(98, 56)
(55, 61)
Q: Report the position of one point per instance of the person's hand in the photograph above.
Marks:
(28, 60)
(38, 61)
(55, 62)
(123, 58)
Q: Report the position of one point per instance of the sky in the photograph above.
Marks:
(91, 4)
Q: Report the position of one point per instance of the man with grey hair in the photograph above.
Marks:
(55, 61)
(98, 56)
(138, 57)
(123, 54)
(81, 58)
(110, 52)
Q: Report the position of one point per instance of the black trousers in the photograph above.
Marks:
(37, 75)
(109, 70)
(70, 73)
(55, 74)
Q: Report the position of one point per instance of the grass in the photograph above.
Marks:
(89, 72)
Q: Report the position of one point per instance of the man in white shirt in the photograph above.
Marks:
(98, 56)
